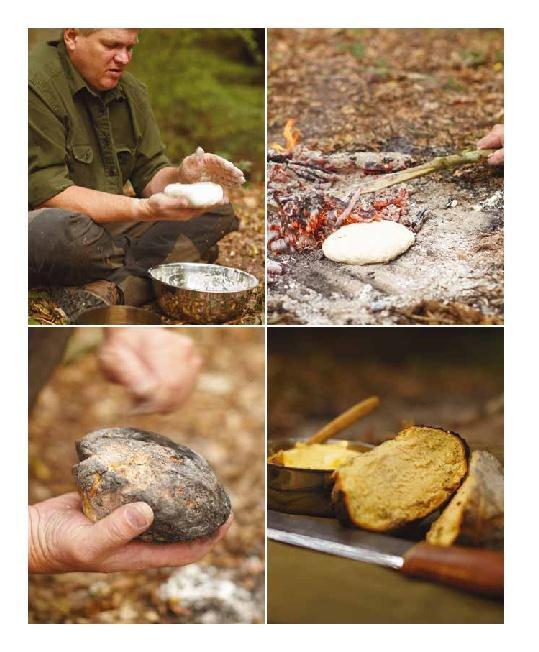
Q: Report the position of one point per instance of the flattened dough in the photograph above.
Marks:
(368, 242)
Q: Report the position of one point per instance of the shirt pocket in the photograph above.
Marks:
(79, 163)
(126, 161)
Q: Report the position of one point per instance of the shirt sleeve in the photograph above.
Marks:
(150, 156)
(48, 174)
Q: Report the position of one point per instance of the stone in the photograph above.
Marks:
(125, 465)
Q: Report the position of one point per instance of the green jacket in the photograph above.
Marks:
(78, 136)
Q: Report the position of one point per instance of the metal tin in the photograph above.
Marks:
(116, 316)
(301, 491)
(200, 293)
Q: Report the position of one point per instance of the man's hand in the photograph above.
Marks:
(493, 140)
(62, 539)
(201, 166)
(157, 367)
(160, 207)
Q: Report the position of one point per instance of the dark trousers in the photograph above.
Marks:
(67, 248)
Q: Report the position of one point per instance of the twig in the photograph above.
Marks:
(438, 163)
(434, 165)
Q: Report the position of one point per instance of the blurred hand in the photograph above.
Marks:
(202, 166)
(61, 539)
(493, 140)
(157, 367)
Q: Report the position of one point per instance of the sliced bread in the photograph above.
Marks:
(474, 517)
(402, 480)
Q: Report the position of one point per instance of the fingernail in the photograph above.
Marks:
(139, 515)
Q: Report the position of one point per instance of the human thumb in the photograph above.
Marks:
(119, 527)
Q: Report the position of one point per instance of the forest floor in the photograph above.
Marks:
(223, 420)
(242, 249)
(423, 92)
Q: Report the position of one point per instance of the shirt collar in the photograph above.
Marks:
(77, 82)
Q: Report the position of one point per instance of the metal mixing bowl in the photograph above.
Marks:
(199, 293)
(116, 316)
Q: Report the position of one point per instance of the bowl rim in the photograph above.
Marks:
(115, 308)
(301, 469)
(255, 282)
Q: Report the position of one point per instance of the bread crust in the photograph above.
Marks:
(118, 466)
(475, 514)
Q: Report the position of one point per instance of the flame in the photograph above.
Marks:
(291, 136)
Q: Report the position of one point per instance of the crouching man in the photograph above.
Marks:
(91, 130)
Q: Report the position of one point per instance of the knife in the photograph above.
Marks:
(469, 569)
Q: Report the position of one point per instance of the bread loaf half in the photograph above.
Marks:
(474, 517)
(402, 480)
(125, 465)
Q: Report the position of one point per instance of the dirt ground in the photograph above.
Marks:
(223, 421)
(243, 249)
(423, 92)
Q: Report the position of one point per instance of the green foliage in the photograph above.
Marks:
(452, 84)
(357, 49)
(207, 88)
(472, 58)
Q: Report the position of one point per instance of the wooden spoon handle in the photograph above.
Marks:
(470, 569)
(344, 420)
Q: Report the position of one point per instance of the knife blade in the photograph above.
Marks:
(470, 569)
(326, 535)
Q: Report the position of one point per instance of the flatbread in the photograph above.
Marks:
(368, 242)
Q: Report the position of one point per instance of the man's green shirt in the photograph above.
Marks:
(78, 136)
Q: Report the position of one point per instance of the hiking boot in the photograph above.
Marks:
(108, 292)
(74, 300)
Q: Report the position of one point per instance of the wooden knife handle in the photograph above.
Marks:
(471, 569)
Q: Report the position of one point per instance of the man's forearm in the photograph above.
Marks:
(102, 207)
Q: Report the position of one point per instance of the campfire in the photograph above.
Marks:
(311, 194)
(291, 135)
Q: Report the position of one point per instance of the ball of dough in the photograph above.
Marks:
(368, 242)
(204, 193)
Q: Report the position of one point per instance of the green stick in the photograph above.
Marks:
(435, 165)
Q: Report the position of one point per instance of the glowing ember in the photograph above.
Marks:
(304, 197)
(305, 223)
(291, 138)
